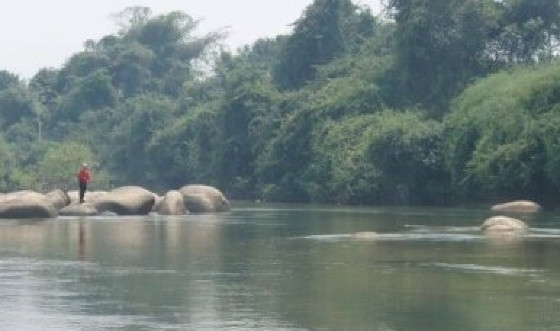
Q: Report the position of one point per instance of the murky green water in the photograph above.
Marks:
(279, 268)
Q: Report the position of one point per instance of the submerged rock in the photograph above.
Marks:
(503, 223)
(519, 206)
(364, 235)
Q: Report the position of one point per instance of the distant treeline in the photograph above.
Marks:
(435, 102)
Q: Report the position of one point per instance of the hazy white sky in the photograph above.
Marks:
(44, 33)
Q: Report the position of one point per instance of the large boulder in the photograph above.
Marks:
(26, 204)
(82, 209)
(172, 204)
(519, 206)
(58, 198)
(126, 200)
(204, 199)
(503, 223)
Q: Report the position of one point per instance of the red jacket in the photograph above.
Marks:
(84, 175)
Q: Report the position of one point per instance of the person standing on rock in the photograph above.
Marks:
(84, 176)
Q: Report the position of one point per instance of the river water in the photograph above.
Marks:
(280, 267)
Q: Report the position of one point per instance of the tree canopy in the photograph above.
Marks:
(435, 102)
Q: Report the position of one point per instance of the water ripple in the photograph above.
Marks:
(476, 268)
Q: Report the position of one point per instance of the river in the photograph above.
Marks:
(280, 267)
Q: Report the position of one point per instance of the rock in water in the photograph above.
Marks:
(26, 204)
(503, 223)
(520, 206)
(126, 200)
(204, 199)
(172, 204)
(365, 235)
(58, 198)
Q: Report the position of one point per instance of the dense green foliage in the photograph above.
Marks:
(503, 134)
(435, 102)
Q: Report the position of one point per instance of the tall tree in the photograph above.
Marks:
(529, 31)
(7, 79)
(440, 47)
(248, 106)
(327, 29)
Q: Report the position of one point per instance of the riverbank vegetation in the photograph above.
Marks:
(435, 102)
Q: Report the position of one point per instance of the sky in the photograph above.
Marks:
(37, 34)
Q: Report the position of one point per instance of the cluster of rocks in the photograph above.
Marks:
(508, 219)
(126, 200)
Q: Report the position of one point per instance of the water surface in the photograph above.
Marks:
(280, 267)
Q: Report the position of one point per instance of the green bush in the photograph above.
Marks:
(388, 157)
(502, 136)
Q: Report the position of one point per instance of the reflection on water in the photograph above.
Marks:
(280, 268)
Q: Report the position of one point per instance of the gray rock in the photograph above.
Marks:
(204, 199)
(58, 198)
(126, 200)
(503, 223)
(82, 209)
(172, 204)
(199, 204)
(26, 204)
(519, 206)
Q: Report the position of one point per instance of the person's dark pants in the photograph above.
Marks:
(83, 187)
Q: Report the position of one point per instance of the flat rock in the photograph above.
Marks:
(519, 206)
(82, 209)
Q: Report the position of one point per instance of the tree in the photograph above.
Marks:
(528, 32)
(440, 48)
(59, 165)
(184, 151)
(16, 103)
(138, 119)
(94, 91)
(132, 74)
(7, 164)
(327, 29)
(501, 137)
(132, 17)
(246, 108)
(282, 164)
(386, 157)
(7, 80)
